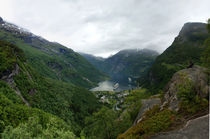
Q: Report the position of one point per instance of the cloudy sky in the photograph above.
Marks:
(103, 27)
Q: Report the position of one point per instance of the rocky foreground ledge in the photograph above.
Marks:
(194, 129)
(181, 112)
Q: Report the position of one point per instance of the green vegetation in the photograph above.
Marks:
(12, 115)
(206, 54)
(69, 102)
(9, 93)
(101, 124)
(109, 123)
(106, 123)
(133, 101)
(208, 25)
(191, 103)
(8, 57)
(33, 129)
(157, 120)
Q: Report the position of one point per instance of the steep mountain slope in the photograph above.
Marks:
(51, 59)
(98, 62)
(186, 49)
(12, 107)
(131, 63)
(64, 100)
(42, 124)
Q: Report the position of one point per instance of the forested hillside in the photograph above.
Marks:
(51, 59)
(70, 103)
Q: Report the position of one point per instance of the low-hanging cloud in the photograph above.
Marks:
(103, 27)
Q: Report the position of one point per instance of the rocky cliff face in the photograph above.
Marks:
(9, 79)
(188, 29)
(146, 105)
(199, 79)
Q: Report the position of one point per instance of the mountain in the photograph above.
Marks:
(51, 59)
(130, 63)
(96, 61)
(186, 49)
(22, 85)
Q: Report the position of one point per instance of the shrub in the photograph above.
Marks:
(32, 129)
(191, 103)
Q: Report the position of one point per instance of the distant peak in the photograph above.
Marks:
(1, 19)
(139, 51)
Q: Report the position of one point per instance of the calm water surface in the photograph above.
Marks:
(109, 86)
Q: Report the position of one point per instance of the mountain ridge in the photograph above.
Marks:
(186, 48)
(127, 63)
(52, 59)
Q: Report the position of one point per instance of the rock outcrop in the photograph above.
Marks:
(190, 28)
(200, 81)
(146, 105)
(197, 79)
(9, 78)
(194, 129)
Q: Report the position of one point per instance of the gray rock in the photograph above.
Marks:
(190, 28)
(146, 105)
(200, 82)
(9, 78)
(194, 129)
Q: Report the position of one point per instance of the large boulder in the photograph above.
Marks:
(199, 78)
(146, 105)
(194, 129)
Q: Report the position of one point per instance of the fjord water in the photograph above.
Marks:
(109, 86)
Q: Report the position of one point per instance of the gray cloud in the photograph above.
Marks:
(103, 27)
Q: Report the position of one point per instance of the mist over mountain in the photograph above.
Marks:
(126, 65)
